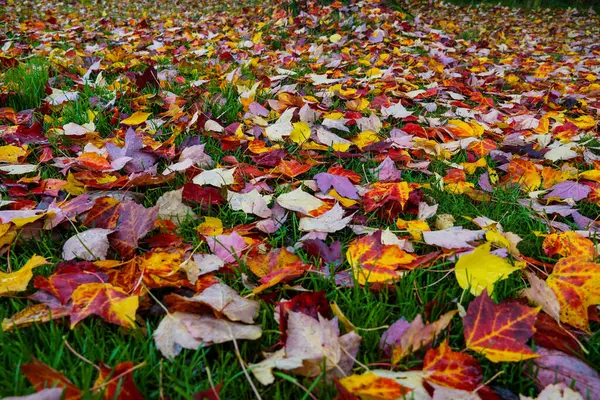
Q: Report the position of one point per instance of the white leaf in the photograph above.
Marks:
(299, 201)
(331, 221)
(90, 245)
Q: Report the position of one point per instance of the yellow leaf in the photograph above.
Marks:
(336, 37)
(17, 281)
(369, 386)
(136, 118)
(343, 200)
(11, 154)
(337, 311)
(365, 139)
(210, 227)
(19, 222)
(591, 175)
(481, 270)
(415, 228)
(73, 186)
(584, 122)
(300, 133)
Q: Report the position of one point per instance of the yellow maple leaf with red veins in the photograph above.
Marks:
(576, 282)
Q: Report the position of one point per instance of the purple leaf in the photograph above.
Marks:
(391, 337)
(555, 367)
(140, 161)
(341, 184)
(329, 254)
(569, 190)
(387, 171)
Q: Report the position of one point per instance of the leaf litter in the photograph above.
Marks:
(195, 171)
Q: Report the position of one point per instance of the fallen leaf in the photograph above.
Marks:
(330, 221)
(136, 118)
(576, 284)
(480, 270)
(452, 369)
(106, 301)
(227, 247)
(499, 331)
(556, 367)
(42, 376)
(135, 221)
(228, 302)
(89, 245)
(372, 261)
(419, 335)
(17, 281)
(299, 201)
(540, 294)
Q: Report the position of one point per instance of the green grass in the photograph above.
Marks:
(27, 80)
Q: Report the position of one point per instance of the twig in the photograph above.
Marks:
(82, 358)
(122, 374)
(239, 357)
(211, 383)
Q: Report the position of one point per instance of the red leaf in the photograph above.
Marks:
(135, 222)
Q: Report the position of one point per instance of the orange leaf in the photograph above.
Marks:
(499, 331)
(576, 283)
(369, 386)
(373, 261)
(569, 244)
(276, 266)
(104, 300)
(42, 376)
(291, 168)
(452, 369)
(524, 173)
(94, 161)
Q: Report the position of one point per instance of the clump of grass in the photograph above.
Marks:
(27, 80)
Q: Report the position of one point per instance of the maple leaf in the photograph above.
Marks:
(17, 281)
(373, 261)
(135, 222)
(523, 173)
(42, 376)
(452, 369)
(499, 331)
(279, 265)
(227, 247)
(104, 300)
(331, 221)
(170, 207)
(576, 283)
(480, 270)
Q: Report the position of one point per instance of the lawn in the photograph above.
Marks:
(190, 185)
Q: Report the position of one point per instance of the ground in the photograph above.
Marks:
(220, 73)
